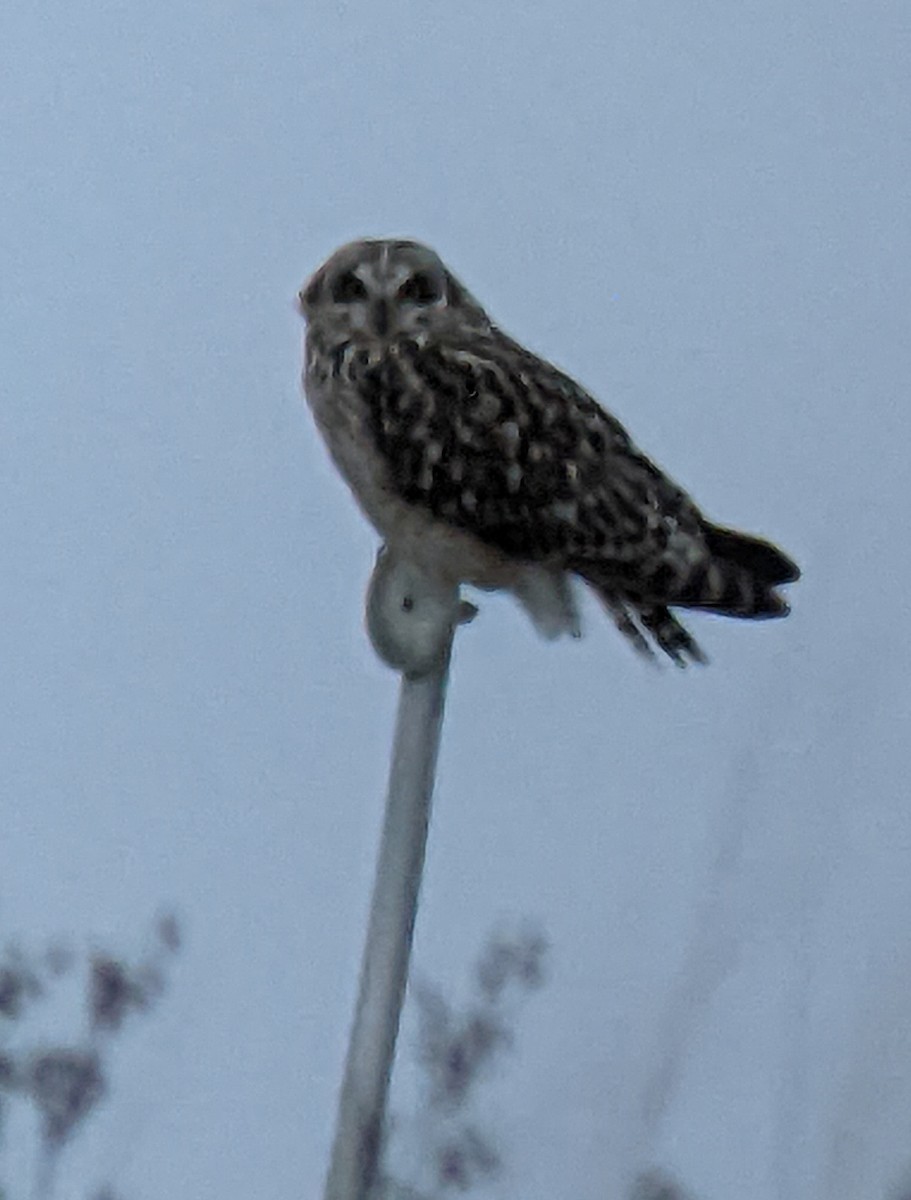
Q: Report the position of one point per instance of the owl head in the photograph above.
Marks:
(383, 289)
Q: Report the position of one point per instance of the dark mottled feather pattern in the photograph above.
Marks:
(528, 462)
(508, 448)
(466, 429)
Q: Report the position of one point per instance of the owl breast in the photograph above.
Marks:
(344, 420)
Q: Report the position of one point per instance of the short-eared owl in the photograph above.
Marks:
(486, 465)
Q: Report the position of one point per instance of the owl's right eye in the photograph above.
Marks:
(347, 288)
(420, 288)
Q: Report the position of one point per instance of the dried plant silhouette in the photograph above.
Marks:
(63, 1084)
(457, 1050)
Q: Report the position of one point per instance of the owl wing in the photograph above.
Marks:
(508, 448)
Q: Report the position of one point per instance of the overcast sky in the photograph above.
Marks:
(699, 209)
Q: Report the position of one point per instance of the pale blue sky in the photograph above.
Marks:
(701, 211)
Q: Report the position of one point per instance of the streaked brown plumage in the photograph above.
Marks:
(488, 465)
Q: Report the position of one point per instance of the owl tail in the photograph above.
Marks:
(738, 577)
(735, 575)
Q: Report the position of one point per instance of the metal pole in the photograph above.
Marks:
(411, 620)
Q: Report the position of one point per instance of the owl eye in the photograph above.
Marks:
(420, 288)
(347, 288)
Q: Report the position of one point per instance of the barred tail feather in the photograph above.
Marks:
(755, 555)
(673, 638)
(731, 573)
(645, 626)
(737, 578)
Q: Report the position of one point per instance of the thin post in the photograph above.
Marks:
(411, 619)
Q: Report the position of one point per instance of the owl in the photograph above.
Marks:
(484, 464)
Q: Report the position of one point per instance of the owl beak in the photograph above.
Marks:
(381, 317)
